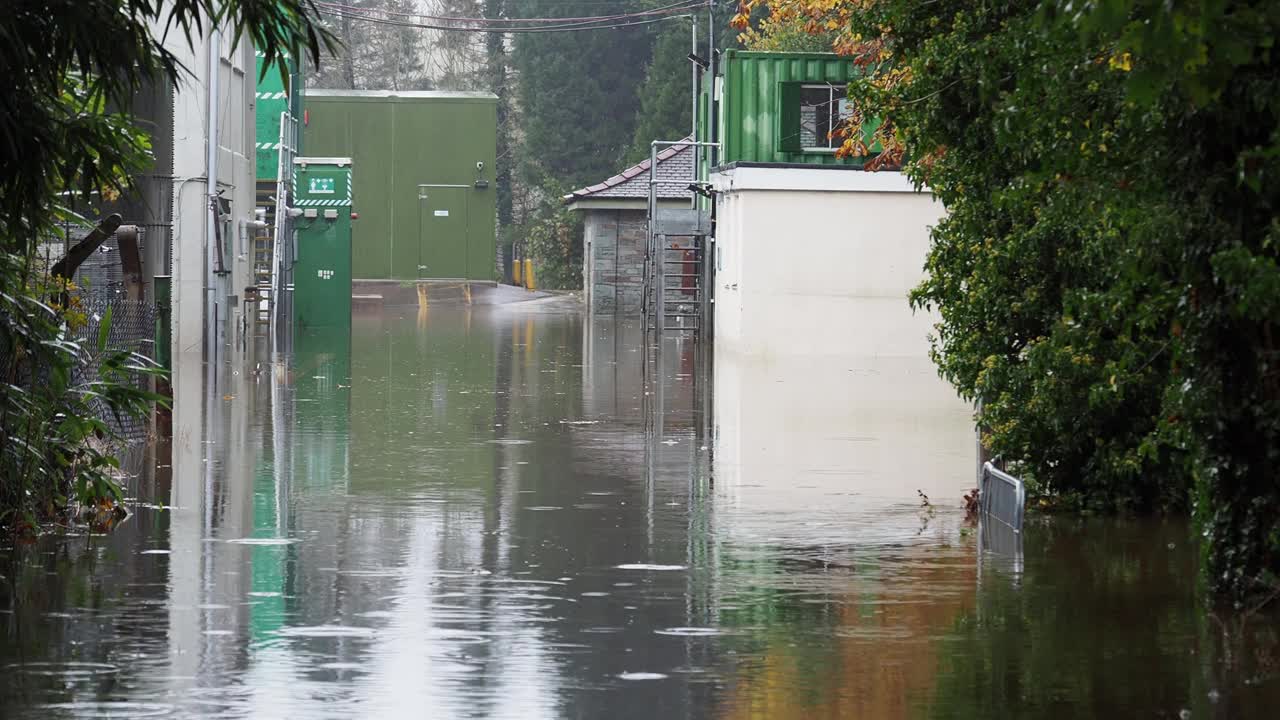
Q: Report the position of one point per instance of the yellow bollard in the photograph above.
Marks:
(528, 275)
(517, 271)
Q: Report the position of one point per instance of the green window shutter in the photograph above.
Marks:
(789, 117)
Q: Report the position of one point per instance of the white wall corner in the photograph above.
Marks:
(811, 179)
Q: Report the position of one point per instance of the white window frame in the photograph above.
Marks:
(831, 105)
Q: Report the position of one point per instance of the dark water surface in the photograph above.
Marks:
(476, 514)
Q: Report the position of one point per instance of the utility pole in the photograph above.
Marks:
(496, 61)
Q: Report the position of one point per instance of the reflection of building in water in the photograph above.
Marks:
(818, 462)
(796, 434)
(616, 374)
(881, 657)
(321, 375)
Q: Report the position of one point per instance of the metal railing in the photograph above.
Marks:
(690, 257)
(282, 247)
(1001, 497)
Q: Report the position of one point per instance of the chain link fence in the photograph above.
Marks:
(101, 282)
(132, 329)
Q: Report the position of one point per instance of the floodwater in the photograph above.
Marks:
(488, 513)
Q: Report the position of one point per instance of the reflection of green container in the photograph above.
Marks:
(321, 370)
(322, 270)
(314, 459)
(426, 178)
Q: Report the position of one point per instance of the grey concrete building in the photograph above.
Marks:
(614, 227)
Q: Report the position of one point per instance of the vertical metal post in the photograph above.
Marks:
(655, 252)
(693, 107)
(711, 89)
(693, 80)
(164, 314)
(213, 282)
(711, 29)
(660, 311)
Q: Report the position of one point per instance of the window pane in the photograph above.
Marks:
(814, 115)
(822, 109)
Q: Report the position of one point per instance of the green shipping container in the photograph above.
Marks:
(426, 166)
(779, 107)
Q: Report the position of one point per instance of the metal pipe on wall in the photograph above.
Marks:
(211, 188)
(693, 106)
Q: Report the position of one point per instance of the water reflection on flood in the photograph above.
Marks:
(473, 513)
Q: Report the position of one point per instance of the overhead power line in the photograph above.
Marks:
(681, 5)
(482, 25)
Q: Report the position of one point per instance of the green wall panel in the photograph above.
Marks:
(271, 99)
(398, 142)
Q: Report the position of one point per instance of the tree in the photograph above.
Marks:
(784, 31)
(1107, 274)
(498, 72)
(665, 102)
(457, 59)
(373, 54)
(578, 91)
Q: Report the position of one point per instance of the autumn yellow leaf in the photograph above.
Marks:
(1122, 62)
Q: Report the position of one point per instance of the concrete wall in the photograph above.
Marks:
(613, 259)
(200, 296)
(819, 262)
(208, 314)
(822, 369)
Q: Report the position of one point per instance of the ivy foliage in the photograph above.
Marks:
(1107, 275)
(554, 242)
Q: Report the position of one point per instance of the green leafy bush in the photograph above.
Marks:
(72, 69)
(56, 448)
(1107, 273)
(554, 241)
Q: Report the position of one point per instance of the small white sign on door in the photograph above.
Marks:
(442, 213)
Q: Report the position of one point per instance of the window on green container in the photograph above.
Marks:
(810, 112)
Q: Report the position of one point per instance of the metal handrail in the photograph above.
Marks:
(653, 264)
(282, 232)
(1002, 496)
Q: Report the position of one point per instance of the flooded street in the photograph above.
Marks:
(486, 512)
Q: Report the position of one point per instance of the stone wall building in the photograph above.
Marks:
(615, 228)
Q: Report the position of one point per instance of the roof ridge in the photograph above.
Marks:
(632, 172)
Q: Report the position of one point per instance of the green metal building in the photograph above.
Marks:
(425, 166)
(777, 107)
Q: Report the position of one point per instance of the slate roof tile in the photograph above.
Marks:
(674, 174)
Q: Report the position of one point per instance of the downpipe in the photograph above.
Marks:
(211, 195)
